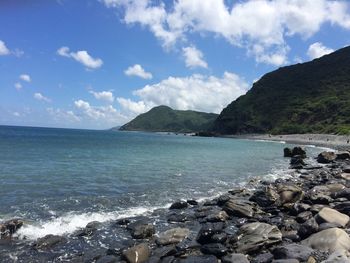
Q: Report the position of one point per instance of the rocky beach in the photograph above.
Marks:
(303, 217)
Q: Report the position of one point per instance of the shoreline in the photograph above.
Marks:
(337, 142)
(286, 213)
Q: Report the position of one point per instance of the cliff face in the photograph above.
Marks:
(310, 97)
(165, 119)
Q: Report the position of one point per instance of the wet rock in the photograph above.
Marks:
(297, 161)
(179, 205)
(192, 202)
(108, 259)
(10, 227)
(187, 244)
(222, 199)
(308, 228)
(343, 155)
(208, 230)
(299, 151)
(346, 169)
(165, 251)
(143, 231)
(89, 229)
(220, 216)
(325, 226)
(49, 241)
(265, 197)
(292, 251)
(339, 256)
(343, 207)
(285, 261)
(256, 235)
(326, 157)
(289, 194)
(263, 258)
(172, 236)
(304, 216)
(328, 240)
(239, 207)
(299, 208)
(198, 259)
(215, 249)
(235, 258)
(137, 254)
(181, 217)
(219, 238)
(123, 222)
(344, 193)
(329, 215)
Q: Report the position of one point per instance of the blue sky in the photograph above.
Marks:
(99, 63)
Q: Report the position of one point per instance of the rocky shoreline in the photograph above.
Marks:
(303, 218)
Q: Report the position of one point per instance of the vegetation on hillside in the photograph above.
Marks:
(312, 97)
(165, 119)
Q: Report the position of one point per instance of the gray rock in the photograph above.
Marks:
(308, 228)
(256, 235)
(239, 207)
(215, 249)
(49, 241)
(198, 259)
(292, 251)
(343, 155)
(285, 261)
(137, 254)
(303, 216)
(289, 194)
(263, 258)
(329, 240)
(143, 231)
(326, 157)
(10, 227)
(208, 230)
(339, 256)
(265, 197)
(287, 152)
(235, 258)
(179, 205)
(220, 216)
(107, 259)
(329, 215)
(172, 236)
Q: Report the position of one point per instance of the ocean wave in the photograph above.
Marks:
(70, 222)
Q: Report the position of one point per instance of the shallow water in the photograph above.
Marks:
(59, 179)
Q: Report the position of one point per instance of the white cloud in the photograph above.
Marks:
(25, 77)
(3, 49)
(41, 97)
(197, 92)
(62, 116)
(100, 115)
(137, 70)
(194, 57)
(265, 23)
(82, 56)
(317, 50)
(103, 95)
(18, 86)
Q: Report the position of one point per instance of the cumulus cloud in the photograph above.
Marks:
(194, 57)
(81, 56)
(18, 86)
(103, 95)
(41, 97)
(137, 70)
(60, 115)
(3, 49)
(25, 77)
(196, 92)
(317, 50)
(265, 23)
(105, 115)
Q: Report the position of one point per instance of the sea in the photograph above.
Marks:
(58, 180)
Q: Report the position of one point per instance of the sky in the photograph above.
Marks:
(96, 64)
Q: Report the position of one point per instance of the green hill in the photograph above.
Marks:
(312, 97)
(165, 119)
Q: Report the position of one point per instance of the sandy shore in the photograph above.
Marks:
(338, 142)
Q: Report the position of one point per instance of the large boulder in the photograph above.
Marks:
(10, 227)
(265, 197)
(208, 230)
(329, 215)
(339, 256)
(289, 194)
(49, 241)
(142, 231)
(172, 236)
(292, 251)
(328, 240)
(298, 151)
(326, 157)
(253, 236)
(239, 207)
(180, 204)
(287, 152)
(137, 254)
(343, 155)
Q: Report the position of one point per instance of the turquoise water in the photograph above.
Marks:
(61, 177)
